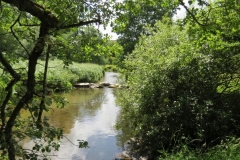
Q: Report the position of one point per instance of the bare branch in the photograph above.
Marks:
(9, 87)
(13, 33)
(80, 24)
(44, 88)
(70, 141)
(8, 67)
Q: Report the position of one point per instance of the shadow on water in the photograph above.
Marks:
(91, 115)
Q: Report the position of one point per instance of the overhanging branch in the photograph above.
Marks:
(46, 17)
(81, 23)
(190, 13)
(36, 10)
(13, 33)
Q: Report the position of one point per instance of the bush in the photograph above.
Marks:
(174, 90)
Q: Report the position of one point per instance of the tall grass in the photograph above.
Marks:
(87, 72)
(60, 76)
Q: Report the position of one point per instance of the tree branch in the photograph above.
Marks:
(4, 104)
(44, 88)
(8, 67)
(81, 23)
(35, 54)
(17, 20)
(36, 10)
(191, 14)
(9, 87)
(46, 17)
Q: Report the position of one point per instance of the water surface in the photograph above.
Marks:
(91, 115)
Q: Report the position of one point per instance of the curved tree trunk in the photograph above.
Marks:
(35, 54)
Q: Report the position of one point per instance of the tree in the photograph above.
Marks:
(33, 25)
(133, 16)
(184, 81)
(80, 45)
(115, 51)
(86, 45)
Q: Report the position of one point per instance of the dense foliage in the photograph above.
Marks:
(87, 44)
(30, 31)
(183, 76)
(184, 82)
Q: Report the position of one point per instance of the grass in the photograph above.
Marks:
(225, 151)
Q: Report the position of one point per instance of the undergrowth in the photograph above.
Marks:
(225, 151)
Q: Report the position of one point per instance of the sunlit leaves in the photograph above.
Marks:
(183, 82)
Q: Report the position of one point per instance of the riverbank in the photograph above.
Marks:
(61, 77)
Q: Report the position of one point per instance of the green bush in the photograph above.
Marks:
(174, 93)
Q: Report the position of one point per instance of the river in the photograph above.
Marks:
(91, 116)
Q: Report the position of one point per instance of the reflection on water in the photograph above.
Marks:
(91, 116)
(86, 100)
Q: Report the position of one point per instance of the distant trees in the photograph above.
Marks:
(133, 16)
(87, 44)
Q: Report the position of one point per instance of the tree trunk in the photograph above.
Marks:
(35, 54)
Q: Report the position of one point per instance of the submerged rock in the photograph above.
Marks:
(99, 85)
(93, 85)
(82, 85)
(113, 86)
(131, 151)
(122, 156)
(105, 83)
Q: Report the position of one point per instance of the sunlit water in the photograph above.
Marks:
(91, 116)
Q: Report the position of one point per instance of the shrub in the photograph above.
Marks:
(174, 93)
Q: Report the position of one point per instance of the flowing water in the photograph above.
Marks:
(91, 115)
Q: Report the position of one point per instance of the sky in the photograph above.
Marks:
(179, 15)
